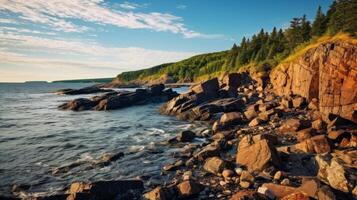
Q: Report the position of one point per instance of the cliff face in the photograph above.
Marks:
(327, 72)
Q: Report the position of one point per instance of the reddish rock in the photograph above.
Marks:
(231, 118)
(299, 102)
(293, 125)
(189, 188)
(328, 73)
(317, 144)
(296, 196)
(305, 134)
(258, 156)
(214, 165)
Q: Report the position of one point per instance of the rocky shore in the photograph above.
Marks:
(289, 136)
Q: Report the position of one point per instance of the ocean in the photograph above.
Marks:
(36, 139)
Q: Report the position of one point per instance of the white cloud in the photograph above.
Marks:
(129, 5)
(7, 21)
(86, 59)
(181, 7)
(59, 13)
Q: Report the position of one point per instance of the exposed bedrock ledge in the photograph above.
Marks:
(116, 100)
(328, 73)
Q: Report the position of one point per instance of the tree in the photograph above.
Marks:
(319, 25)
(342, 16)
(305, 29)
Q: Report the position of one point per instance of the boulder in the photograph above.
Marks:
(248, 140)
(85, 90)
(338, 170)
(231, 118)
(209, 87)
(186, 136)
(258, 156)
(107, 190)
(317, 144)
(189, 188)
(157, 89)
(160, 193)
(299, 102)
(293, 125)
(296, 196)
(326, 72)
(214, 165)
(78, 105)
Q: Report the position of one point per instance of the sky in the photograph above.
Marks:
(73, 39)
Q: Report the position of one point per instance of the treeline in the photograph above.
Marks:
(264, 49)
(270, 48)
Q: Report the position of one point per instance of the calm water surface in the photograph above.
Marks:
(36, 138)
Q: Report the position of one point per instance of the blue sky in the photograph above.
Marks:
(69, 39)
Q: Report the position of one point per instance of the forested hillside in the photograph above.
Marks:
(262, 51)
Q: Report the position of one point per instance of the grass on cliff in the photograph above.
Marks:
(303, 48)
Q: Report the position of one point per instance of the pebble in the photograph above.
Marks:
(239, 170)
(222, 183)
(244, 184)
(285, 182)
(227, 173)
(278, 175)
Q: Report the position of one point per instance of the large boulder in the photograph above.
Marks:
(258, 156)
(328, 73)
(214, 165)
(78, 105)
(209, 87)
(338, 170)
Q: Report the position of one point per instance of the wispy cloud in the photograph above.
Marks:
(7, 21)
(59, 14)
(129, 5)
(17, 49)
(181, 7)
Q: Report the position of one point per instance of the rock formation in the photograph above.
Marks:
(327, 73)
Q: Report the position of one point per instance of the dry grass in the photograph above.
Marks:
(303, 48)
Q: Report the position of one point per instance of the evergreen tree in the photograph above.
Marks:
(305, 29)
(319, 25)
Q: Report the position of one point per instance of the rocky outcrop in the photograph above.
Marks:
(207, 98)
(121, 99)
(327, 73)
(86, 90)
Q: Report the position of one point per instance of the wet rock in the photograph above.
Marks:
(189, 188)
(107, 158)
(258, 156)
(186, 136)
(214, 165)
(78, 105)
(157, 89)
(107, 190)
(86, 90)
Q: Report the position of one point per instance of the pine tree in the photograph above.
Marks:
(319, 25)
(305, 29)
